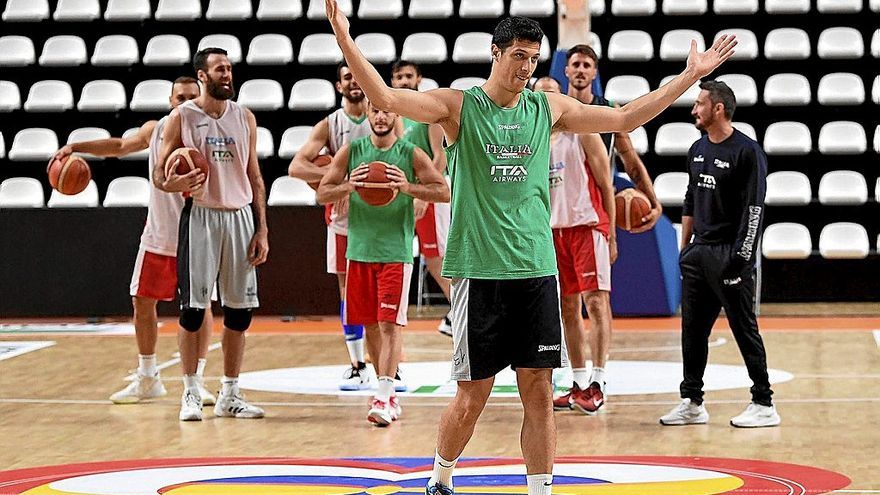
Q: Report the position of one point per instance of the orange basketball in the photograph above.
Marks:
(70, 176)
(377, 195)
(320, 161)
(184, 160)
(631, 206)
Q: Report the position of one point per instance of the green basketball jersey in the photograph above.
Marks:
(381, 234)
(500, 190)
(417, 134)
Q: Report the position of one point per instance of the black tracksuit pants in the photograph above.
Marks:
(704, 292)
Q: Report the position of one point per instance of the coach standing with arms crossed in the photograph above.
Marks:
(723, 210)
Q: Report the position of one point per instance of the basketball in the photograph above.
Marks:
(320, 161)
(377, 195)
(184, 160)
(70, 176)
(631, 205)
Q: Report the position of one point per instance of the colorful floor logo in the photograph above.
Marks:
(282, 476)
(432, 379)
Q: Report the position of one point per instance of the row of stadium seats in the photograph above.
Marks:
(839, 240)
(838, 187)
(230, 10)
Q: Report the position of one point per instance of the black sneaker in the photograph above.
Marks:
(438, 489)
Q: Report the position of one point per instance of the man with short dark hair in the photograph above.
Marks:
(723, 211)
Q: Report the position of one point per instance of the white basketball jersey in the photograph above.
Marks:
(163, 215)
(343, 130)
(225, 143)
(575, 198)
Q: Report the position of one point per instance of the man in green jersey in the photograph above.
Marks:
(380, 238)
(500, 249)
(432, 220)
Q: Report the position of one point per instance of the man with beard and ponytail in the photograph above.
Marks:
(380, 249)
(347, 123)
(223, 233)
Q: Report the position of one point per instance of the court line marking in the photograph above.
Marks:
(715, 343)
(877, 337)
(171, 362)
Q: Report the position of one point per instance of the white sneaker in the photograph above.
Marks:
(380, 413)
(757, 416)
(234, 406)
(142, 387)
(445, 326)
(396, 410)
(208, 398)
(686, 413)
(355, 379)
(190, 407)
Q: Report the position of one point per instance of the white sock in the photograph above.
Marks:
(442, 471)
(580, 377)
(147, 365)
(355, 350)
(200, 368)
(228, 385)
(386, 388)
(191, 383)
(540, 484)
(598, 377)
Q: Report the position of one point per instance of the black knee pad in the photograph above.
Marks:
(237, 319)
(191, 319)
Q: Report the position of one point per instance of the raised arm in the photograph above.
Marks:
(301, 166)
(432, 187)
(574, 116)
(258, 250)
(171, 140)
(597, 160)
(112, 147)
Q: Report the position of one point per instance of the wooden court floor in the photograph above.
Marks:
(54, 407)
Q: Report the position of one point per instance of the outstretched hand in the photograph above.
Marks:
(703, 63)
(336, 17)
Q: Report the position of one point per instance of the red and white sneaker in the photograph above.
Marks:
(396, 410)
(590, 400)
(380, 413)
(563, 402)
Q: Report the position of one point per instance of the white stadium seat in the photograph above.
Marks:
(16, 51)
(265, 143)
(481, 8)
(318, 12)
(839, 6)
(877, 145)
(786, 241)
(77, 10)
(743, 87)
(270, 49)
(630, 46)
(312, 94)
(88, 134)
(63, 51)
(875, 90)
(787, 90)
(229, 10)
(292, 141)
(2, 147)
(261, 95)
(676, 44)
(788, 188)
(787, 44)
(875, 44)
(116, 49)
(633, 7)
(128, 10)
(535, 8)
(88, 198)
(151, 96)
(688, 98)
(876, 190)
(26, 10)
(841, 88)
(465, 83)
(279, 10)
(684, 7)
(290, 191)
(545, 50)
(841, 43)
(843, 187)
(21, 192)
(844, 240)
(424, 48)
(875, 5)
(597, 8)
(377, 47)
(179, 10)
(624, 89)
(787, 138)
(430, 9)
(319, 48)
(127, 191)
(10, 96)
(842, 138)
(472, 48)
(746, 129)
(787, 6)
(639, 139)
(596, 44)
(103, 95)
(380, 9)
(671, 187)
(735, 7)
(746, 43)
(675, 139)
(227, 42)
(34, 143)
(49, 96)
(167, 49)
(428, 84)
(141, 155)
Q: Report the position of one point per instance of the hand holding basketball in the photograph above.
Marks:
(70, 175)
(357, 176)
(185, 171)
(398, 179)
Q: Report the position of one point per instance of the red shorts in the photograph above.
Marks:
(432, 230)
(584, 259)
(155, 276)
(336, 246)
(377, 292)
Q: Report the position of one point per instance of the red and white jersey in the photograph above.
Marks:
(163, 215)
(225, 143)
(343, 130)
(575, 199)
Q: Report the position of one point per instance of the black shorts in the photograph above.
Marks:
(501, 323)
